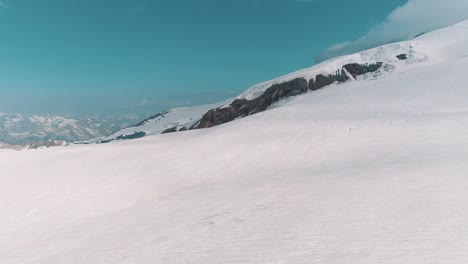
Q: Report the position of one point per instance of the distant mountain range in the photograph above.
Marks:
(20, 129)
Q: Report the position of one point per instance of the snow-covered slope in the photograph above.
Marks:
(173, 118)
(364, 172)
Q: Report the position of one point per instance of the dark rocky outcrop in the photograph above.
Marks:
(402, 57)
(162, 114)
(243, 107)
(356, 69)
(325, 80)
(170, 130)
(125, 137)
(420, 34)
(174, 129)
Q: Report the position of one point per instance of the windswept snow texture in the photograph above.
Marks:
(363, 172)
(183, 116)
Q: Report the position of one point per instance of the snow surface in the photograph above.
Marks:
(373, 171)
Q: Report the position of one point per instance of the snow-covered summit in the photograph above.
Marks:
(427, 49)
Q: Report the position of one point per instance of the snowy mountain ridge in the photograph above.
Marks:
(396, 58)
(427, 49)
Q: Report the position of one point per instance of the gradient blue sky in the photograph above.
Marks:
(86, 56)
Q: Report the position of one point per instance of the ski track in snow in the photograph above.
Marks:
(363, 172)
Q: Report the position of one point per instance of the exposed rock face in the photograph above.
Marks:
(242, 107)
(125, 137)
(402, 57)
(325, 80)
(152, 117)
(356, 69)
(174, 129)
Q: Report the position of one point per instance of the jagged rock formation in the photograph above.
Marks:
(158, 115)
(124, 137)
(402, 57)
(356, 69)
(174, 129)
(243, 107)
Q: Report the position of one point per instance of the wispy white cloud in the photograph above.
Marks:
(308, 1)
(139, 9)
(3, 5)
(405, 22)
(144, 102)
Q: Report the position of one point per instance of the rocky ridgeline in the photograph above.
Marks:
(242, 107)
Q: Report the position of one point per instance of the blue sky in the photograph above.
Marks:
(86, 56)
